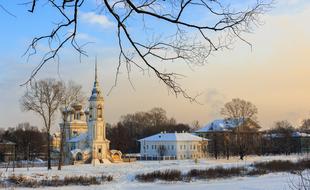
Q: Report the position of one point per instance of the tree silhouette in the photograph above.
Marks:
(184, 39)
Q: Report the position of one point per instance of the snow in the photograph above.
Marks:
(124, 173)
(173, 137)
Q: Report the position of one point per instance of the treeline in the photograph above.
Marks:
(30, 142)
(125, 134)
(282, 138)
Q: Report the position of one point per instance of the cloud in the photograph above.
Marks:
(96, 19)
(289, 2)
(214, 100)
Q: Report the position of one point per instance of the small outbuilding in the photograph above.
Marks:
(7, 150)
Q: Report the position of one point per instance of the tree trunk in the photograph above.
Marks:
(62, 140)
(48, 151)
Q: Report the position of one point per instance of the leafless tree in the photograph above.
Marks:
(185, 39)
(305, 126)
(72, 93)
(195, 126)
(241, 113)
(301, 182)
(44, 98)
(284, 142)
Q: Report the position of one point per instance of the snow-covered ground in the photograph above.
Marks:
(124, 173)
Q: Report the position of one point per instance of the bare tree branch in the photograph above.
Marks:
(190, 41)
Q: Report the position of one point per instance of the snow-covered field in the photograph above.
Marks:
(123, 174)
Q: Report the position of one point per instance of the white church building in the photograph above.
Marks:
(173, 145)
(85, 132)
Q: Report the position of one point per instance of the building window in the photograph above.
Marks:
(99, 110)
(147, 146)
(72, 146)
(172, 147)
(191, 147)
(180, 147)
(194, 147)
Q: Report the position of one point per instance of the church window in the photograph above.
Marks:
(99, 112)
(99, 150)
(73, 146)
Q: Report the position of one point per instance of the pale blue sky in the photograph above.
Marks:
(268, 76)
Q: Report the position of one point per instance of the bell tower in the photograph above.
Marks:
(96, 124)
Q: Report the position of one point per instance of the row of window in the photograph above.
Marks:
(188, 156)
(170, 147)
(154, 147)
(191, 147)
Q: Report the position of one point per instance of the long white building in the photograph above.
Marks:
(175, 145)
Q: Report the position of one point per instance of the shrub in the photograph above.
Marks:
(218, 172)
(256, 171)
(283, 165)
(167, 175)
(23, 181)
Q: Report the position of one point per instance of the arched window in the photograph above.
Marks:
(90, 112)
(99, 112)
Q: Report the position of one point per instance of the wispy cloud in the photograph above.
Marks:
(215, 100)
(96, 19)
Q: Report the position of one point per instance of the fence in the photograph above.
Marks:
(25, 164)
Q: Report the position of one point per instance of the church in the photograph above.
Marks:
(85, 132)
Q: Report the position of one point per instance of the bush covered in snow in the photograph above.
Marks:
(167, 175)
(258, 168)
(282, 165)
(55, 181)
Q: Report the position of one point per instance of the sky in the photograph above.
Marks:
(273, 75)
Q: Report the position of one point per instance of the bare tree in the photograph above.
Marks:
(305, 126)
(184, 40)
(284, 142)
(72, 93)
(301, 182)
(44, 98)
(241, 113)
(195, 126)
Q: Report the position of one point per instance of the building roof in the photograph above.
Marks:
(173, 137)
(221, 125)
(281, 135)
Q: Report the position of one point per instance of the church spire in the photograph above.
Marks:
(96, 92)
(96, 79)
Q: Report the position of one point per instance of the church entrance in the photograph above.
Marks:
(79, 156)
(100, 152)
